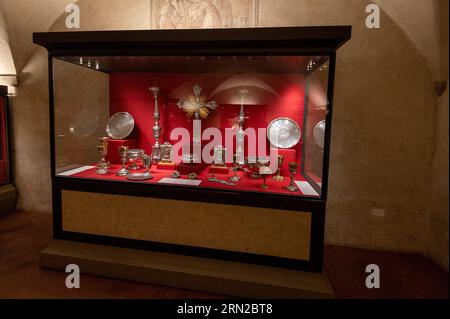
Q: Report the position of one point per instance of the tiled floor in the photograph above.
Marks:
(24, 234)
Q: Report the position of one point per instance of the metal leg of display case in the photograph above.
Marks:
(202, 274)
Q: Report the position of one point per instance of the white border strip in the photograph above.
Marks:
(75, 171)
(306, 188)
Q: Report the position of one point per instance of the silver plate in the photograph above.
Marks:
(120, 126)
(139, 176)
(284, 133)
(319, 133)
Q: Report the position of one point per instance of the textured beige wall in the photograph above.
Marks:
(439, 209)
(387, 145)
(419, 20)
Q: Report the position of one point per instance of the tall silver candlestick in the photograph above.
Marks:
(240, 136)
(156, 149)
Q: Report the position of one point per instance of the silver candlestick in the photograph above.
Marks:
(123, 151)
(156, 148)
(240, 136)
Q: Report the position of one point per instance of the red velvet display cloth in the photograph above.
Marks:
(113, 149)
(245, 184)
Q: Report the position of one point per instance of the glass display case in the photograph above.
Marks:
(239, 118)
(239, 123)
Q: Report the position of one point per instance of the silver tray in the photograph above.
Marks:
(139, 176)
(120, 126)
(284, 133)
(319, 133)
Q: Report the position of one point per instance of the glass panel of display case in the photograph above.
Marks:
(316, 106)
(240, 123)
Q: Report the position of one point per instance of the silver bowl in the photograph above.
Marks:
(134, 155)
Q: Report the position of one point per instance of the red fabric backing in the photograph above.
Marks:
(130, 92)
(113, 149)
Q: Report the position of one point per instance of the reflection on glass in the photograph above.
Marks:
(316, 105)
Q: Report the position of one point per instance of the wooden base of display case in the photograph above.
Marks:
(203, 274)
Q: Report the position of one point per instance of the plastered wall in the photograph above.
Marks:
(389, 132)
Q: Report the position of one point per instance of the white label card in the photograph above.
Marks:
(179, 181)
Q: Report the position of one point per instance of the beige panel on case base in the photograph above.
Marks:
(271, 232)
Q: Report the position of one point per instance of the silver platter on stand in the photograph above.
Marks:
(284, 133)
(319, 133)
(120, 126)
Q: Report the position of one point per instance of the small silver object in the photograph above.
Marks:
(139, 176)
(123, 152)
(120, 126)
(235, 177)
(156, 148)
(255, 164)
(213, 179)
(284, 133)
(221, 181)
(147, 161)
(166, 153)
(176, 174)
(219, 156)
(134, 155)
(192, 176)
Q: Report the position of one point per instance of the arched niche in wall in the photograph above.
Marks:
(7, 68)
